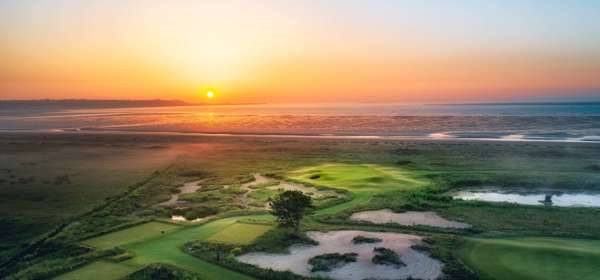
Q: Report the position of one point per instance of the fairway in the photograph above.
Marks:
(132, 234)
(166, 249)
(533, 258)
(240, 233)
(358, 177)
(99, 270)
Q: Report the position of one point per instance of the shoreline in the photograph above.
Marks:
(430, 137)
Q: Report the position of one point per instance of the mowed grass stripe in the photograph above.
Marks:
(240, 233)
(161, 248)
(99, 270)
(133, 234)
(168, 249)
(533, 258)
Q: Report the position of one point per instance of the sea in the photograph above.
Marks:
(559, 122)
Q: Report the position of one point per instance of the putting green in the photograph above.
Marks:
(99, 270)
(240, 233)
(358, 177)
(361, 180)
(133, 234)
(533, 258)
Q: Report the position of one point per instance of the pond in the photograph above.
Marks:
(563, 198)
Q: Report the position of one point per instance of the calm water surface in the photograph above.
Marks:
(579, 122)
(553, 198)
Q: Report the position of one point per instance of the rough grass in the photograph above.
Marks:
(533, 258)
(133, 234)
(240, 233)
(41, 184)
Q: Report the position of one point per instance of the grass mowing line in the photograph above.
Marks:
(240, 233)
(99, 270)
(137, 233)
(168, 250)
(533, 258)
(164, 248)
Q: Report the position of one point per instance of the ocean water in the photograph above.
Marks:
(575, 122)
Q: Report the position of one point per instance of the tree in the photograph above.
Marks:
(289, 207)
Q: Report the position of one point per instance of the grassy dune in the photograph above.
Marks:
(533, 258)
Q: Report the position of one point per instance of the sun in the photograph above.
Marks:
(210, 94)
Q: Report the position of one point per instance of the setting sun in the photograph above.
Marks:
(210, 94)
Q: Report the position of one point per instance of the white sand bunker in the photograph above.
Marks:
(409, 218)
(418, 265)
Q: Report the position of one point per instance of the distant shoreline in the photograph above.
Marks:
(63, 104)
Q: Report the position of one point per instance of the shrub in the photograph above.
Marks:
(162, 272)
(385, 256)
(327, 262)
(359, 239)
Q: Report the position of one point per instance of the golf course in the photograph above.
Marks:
(222, 227)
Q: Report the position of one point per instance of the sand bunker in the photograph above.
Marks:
(418, 265)
(188, 187)
(258, 179)
(312, 191)
(409, 218)
(179, 218)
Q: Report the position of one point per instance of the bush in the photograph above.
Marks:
(190, 215)
(327, 262)
(385, 256)
(162, 272)
(359, 239)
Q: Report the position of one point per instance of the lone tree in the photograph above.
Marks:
(289, 207)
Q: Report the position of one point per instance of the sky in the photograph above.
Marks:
(301, 51)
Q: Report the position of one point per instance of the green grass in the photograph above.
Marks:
(166, 248)
(95, 172)
(533, 258)
(263, 195)
(358, 177)
(99, 270)
(133, 234)
(240, 233)
(361, 180)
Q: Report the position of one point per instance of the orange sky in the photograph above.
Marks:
(299, 51)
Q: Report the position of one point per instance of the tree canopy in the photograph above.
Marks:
(289, 208)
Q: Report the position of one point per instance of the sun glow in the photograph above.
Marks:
(210, 94)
